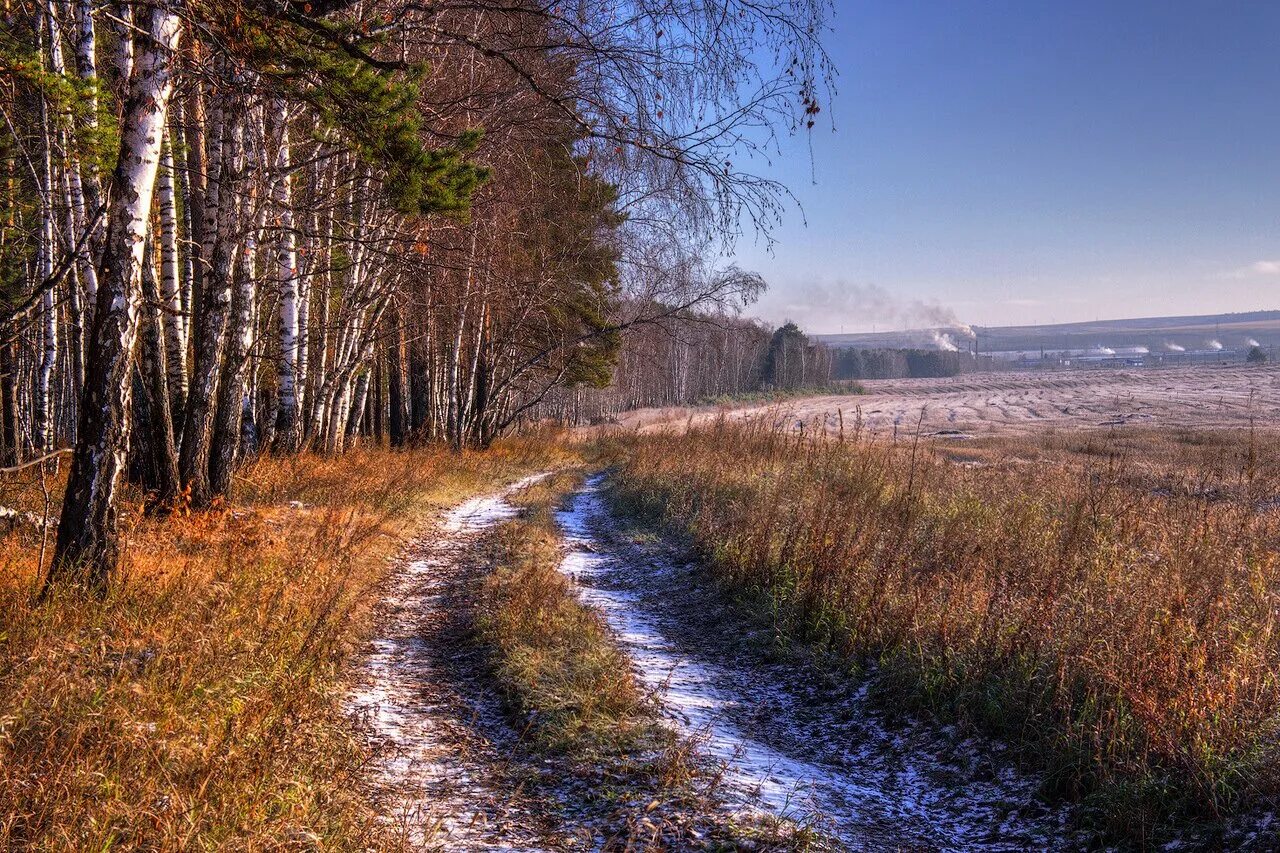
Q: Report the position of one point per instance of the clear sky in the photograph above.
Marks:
(1029, 161)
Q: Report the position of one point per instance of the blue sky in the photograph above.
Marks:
(1034, 162)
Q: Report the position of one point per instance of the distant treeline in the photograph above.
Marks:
(699, 357)
(852, 363)
(692, 358)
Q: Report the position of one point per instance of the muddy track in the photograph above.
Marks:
(792, 740)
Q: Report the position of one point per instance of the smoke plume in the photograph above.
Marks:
(824, 308)
(943, 342)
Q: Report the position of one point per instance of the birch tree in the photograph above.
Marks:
(87, 542)
(290, 366)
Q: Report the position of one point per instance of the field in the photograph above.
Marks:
(1206, 397)
(1081, 563)
(1049, 623)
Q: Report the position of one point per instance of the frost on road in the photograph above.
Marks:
(784, 742)
(438, 777)
(815, 756)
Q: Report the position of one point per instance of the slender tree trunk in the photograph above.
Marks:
(305, 287)
(192, 183)
(467, 409)
(360, 398)
(124, 45)
(319, 363)
(43, 427)
(235, 405)
(87, 543)
(170, 295)
(43, 437)
(231, 387)
(87, 68)
(9, 403)
(453, 416)
(220, 215)
(419, 393)
(163, 450)
(287, 420)
(378, 401)
(397, 421)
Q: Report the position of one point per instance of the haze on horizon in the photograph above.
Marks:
(1023, 163)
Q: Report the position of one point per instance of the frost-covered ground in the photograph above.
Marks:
(790, 743)
(1023, 403)
(438, 777)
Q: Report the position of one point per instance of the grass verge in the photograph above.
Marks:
(198, 704)
(553, 657)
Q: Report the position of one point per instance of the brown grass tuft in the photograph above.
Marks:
(553, 656)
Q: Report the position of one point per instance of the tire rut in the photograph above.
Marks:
(443, 777)
(791, 739)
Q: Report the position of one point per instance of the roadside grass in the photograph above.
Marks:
(553, 657)
(1123, 636)
(571, 690)
(199, 703)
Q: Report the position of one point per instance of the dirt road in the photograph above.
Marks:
(1199, 397)
(778, 742)
(441, 776)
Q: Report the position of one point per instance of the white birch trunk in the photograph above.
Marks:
(42, 428)
(175, 320)
(87, 68)
(75, 306)
(452, 419)
(87, 533)
(191, 159)
(287, 271)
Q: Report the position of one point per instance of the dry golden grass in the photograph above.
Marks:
(554, 657)
(1218, 464)
(1124, 634)
(199, 704)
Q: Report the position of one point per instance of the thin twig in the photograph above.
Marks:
(16, 468)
